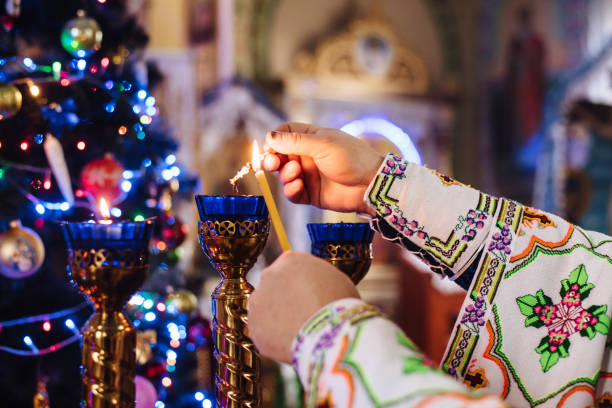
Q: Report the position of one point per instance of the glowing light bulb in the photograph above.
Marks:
(81, 145)
(34, 90)
(126, 185)
(24, 146)
(46, 326)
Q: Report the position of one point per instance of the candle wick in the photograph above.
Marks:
(240, 174)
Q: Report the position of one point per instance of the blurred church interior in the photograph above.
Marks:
(513, 97)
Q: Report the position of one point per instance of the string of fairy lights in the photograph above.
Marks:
(147, 310)
(142, 104)
(38, 335)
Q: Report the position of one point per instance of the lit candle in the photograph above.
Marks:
(105, 212)
(267, 194)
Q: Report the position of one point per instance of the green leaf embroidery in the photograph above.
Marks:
(605, 320)
(548, 360)
(584, 290)
(541, 297)
(602, 328)
(542, 346)
(579, 276)
(533, 320)
(526, 304)
(415, 365)
(598, 310)
(406, 342)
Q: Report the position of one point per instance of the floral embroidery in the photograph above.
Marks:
(500, 244)
(473, 222)
(394, 166)
(399, 222)
(565, 318)
(473, 318)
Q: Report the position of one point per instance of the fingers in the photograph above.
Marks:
(290, 171)
(297, 127)
(296, 191)
(271, 162)
(302, 144)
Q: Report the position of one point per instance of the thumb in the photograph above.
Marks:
(302, 144)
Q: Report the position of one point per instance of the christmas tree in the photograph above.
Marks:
(78, 123)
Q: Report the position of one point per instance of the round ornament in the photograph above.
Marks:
(172, 230)
(102, 178)
(81, 36)
(146, 395)
(22, 252)
(10, 101)
(184, 301)
(199, 331)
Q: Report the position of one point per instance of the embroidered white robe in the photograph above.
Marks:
(532, 331)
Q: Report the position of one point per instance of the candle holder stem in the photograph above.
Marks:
(109, 363)
(108, 263)
(233, 231)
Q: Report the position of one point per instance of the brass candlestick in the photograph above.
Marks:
(233, 231)
(108, 263)
(347, 246)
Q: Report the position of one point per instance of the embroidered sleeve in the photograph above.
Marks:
(349, 355)
(441, 220)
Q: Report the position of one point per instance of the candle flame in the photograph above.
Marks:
(256, 161)
(104, 211)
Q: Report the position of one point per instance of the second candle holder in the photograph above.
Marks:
(233, 231)
(347, 246)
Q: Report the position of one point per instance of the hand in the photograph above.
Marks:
(323, 167)
(291, 290)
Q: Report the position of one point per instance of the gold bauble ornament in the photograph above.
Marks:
(10, 101)
(184, 301)
(144, 340)
(41, 399)
(22, 252)
(81, 36)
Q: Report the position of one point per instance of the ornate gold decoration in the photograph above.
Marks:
(354, 259)
(99, 258)
(233, 247)
(108, 278)
(144, 340)
(234, 228)
(366, 59)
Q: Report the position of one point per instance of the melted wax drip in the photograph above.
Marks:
(241, 173)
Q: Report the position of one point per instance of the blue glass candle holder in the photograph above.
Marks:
(348, 246)
(108, 263)
(233, 231)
